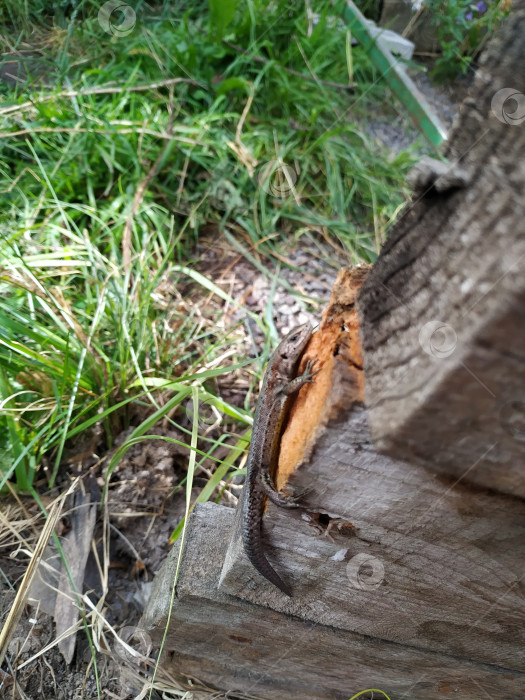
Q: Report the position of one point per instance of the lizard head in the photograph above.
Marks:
(291, 348)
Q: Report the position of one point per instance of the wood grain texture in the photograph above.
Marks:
(261, 652)
(442, 310)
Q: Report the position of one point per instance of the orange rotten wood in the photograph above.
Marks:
(337, 347)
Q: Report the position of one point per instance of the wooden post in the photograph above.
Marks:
(442, 312)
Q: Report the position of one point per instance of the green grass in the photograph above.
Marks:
(108, 172)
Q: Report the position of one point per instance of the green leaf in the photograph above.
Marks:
(232, 84)
(221, 15)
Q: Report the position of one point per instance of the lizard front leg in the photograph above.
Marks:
(265, 479)
(307, 377)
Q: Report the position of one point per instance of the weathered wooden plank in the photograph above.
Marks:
(252, 649)
(442, 312)
(420, 560)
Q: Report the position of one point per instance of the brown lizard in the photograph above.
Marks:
(278, 384)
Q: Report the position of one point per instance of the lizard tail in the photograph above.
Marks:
(263, 566)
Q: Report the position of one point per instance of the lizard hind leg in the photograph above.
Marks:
(280, 499)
